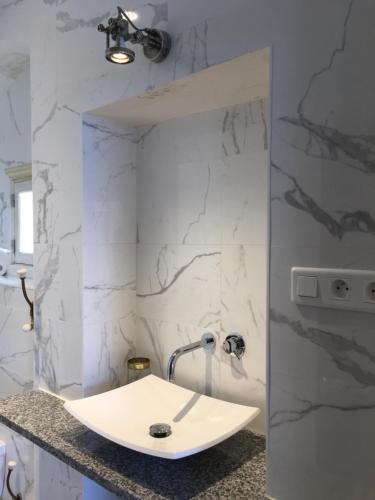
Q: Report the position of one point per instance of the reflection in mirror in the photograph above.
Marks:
(24, 221)
(16, 225)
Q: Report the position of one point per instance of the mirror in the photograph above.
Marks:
(15, 158)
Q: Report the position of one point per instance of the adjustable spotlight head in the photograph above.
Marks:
(156, 43)
(119, 54)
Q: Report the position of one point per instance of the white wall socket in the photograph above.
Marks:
(334, 288)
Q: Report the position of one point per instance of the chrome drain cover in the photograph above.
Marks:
(160, 430)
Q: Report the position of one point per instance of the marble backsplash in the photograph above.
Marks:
(202, 248)
(175, 231)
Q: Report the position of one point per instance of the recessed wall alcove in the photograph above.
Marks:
(175, 230)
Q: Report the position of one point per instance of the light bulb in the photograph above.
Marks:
(120, 58)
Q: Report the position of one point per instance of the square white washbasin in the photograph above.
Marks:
(125, 415)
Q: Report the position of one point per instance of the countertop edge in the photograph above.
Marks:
(85, 470)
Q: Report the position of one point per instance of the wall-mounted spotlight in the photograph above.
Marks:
(156, 43)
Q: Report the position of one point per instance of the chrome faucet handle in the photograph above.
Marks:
(234, 345)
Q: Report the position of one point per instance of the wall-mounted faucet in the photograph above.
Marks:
(207, 342)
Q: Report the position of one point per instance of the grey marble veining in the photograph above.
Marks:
(322, 212)
(352, 221)
(46, 120)
(232, 469)
(13, 64)
(347, 354)
(164, 287)
(69, 24)
(12, 113)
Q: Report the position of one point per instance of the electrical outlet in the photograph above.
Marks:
(334, 288)
(369, 291)
(340, 289)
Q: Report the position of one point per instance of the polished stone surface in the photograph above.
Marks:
(232, 469)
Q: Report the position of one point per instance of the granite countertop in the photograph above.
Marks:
(232, 469)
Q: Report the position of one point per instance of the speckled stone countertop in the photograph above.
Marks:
(232, 469)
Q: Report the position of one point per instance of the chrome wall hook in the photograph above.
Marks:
(27, 327)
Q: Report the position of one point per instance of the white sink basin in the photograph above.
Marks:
(125, 415)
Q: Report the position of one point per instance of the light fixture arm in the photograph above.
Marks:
(122, 14)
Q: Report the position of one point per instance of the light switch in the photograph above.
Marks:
(346, 289)
(307, 286)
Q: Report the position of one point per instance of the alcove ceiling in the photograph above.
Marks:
(240, 80)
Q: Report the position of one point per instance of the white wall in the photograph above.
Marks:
(321, 368)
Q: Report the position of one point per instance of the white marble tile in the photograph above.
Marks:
(70, 378)
(159, 338)
(17, 354)
(109, 180)
(108, 346)
(201, 192)
(199, 203)
(157, 195)
(57, 477)
(221, 167)
(244, 199)
(244, 289)
(169, 278)
(165, 324)
(109, 275)
(58, 292)
(58, 360)
(46, 191)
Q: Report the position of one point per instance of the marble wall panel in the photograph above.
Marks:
(321, 177)
(202, 251)
(109, 252)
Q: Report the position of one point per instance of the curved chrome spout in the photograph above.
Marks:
(207, 341)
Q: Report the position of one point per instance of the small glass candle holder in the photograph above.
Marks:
(138, 368)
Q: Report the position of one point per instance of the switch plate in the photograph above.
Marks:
(307, 286)
(349, 289)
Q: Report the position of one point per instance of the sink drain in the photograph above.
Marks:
(160, 430)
